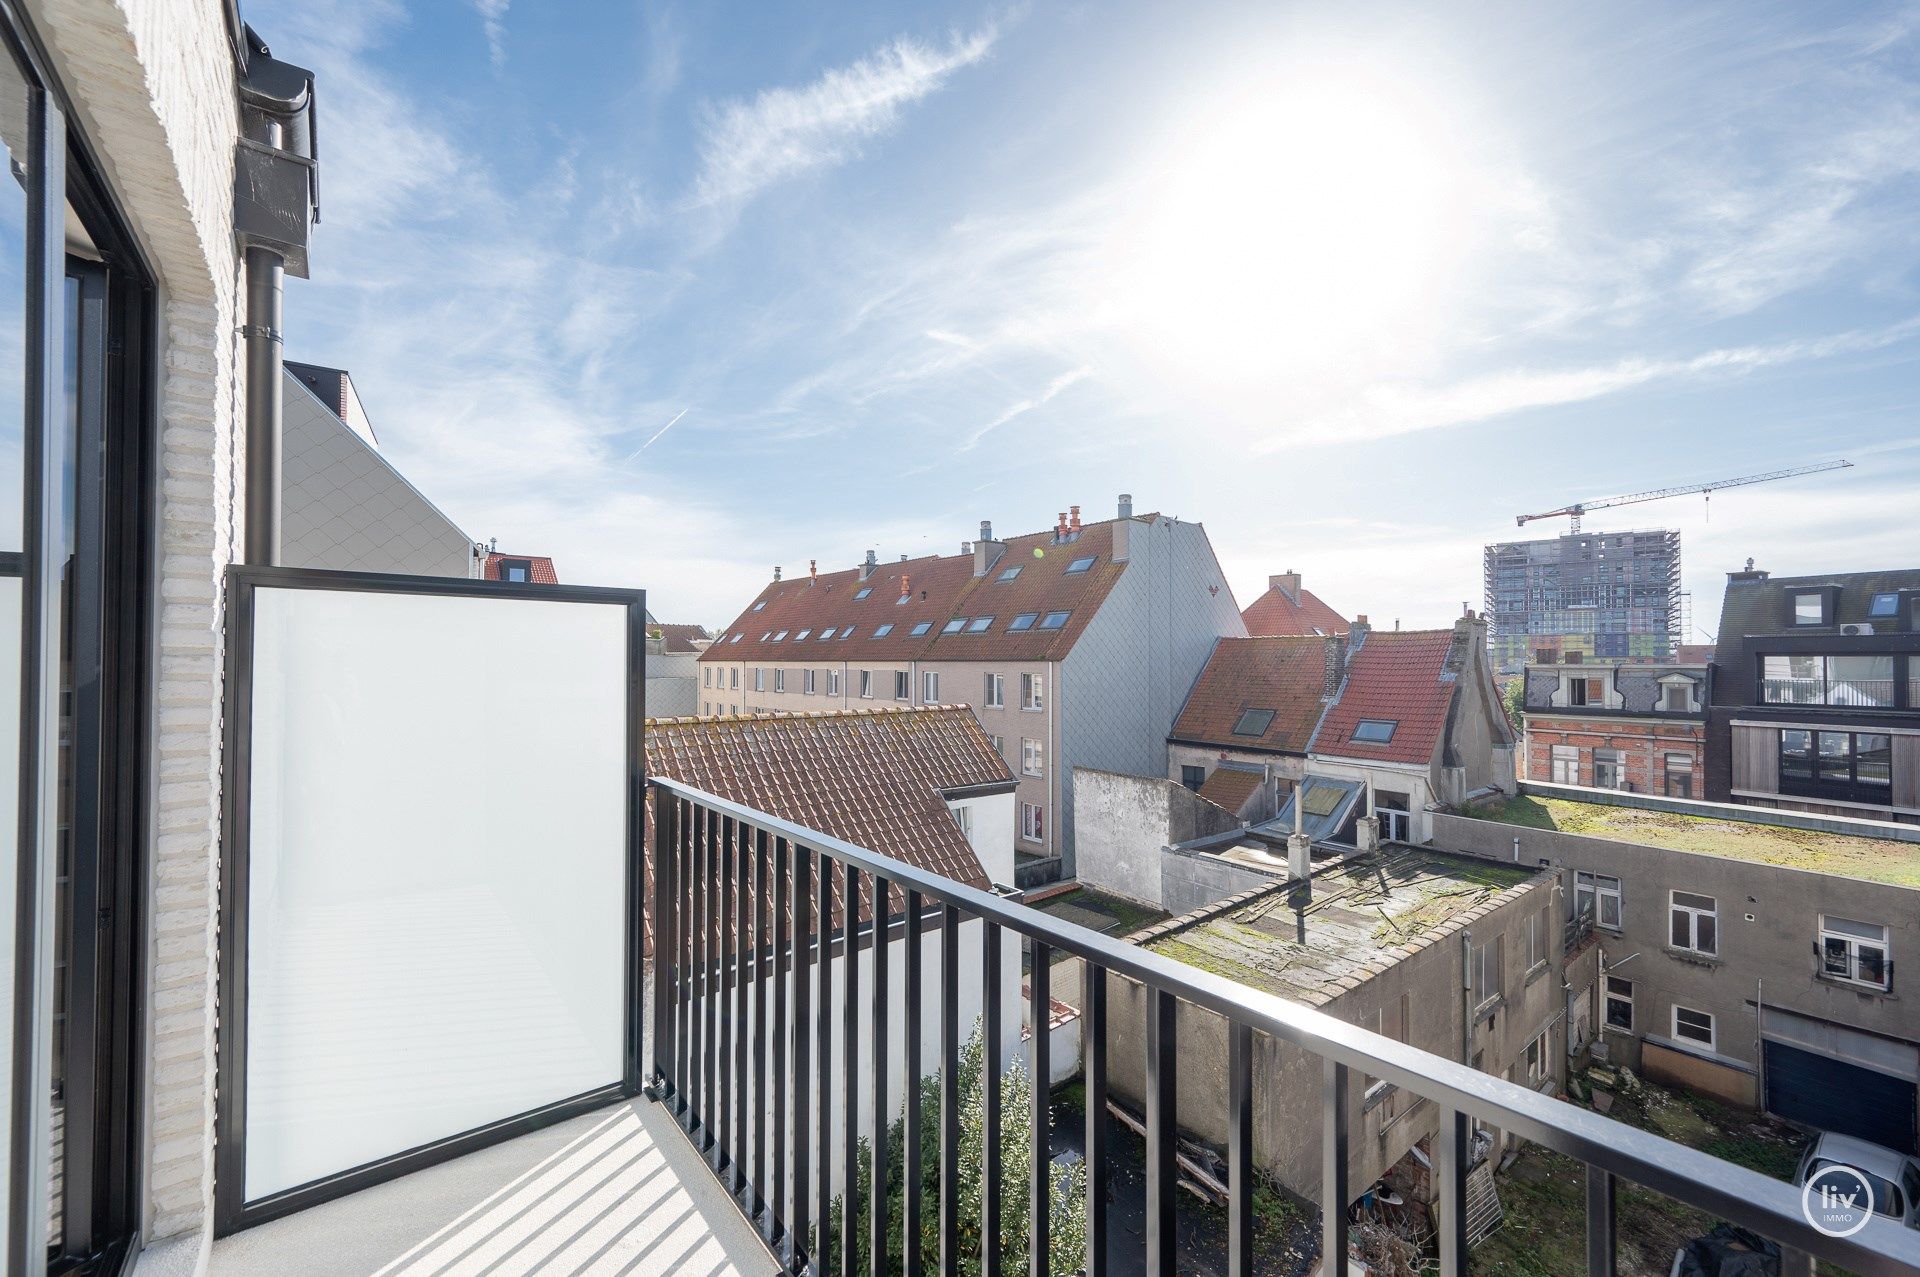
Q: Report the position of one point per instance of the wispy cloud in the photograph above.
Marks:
(782, 133)
(1024, 406)
(493, 21)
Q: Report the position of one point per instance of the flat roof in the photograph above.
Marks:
(1872, 859)
(1364, 914)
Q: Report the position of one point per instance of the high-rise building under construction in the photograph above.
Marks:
(1605, 595)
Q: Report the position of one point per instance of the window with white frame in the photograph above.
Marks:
(1033, 691)
(1597, 896)
(706, 677)
(779, 680)
(902, 685)
(930, 688)
(1693, 1026)
(808, 682)
(833, 682)
(1855, 951)
(1609, 769)
(1619, 1004)
(996, 691)
(1679, 775)
(759, 679)
(1678, 698)
(1032, 756)
(866, 685)
(999, 744)
(733, 679)
(1539, 1063)
(1538, 937)
(963, 816)
(1487, 964)
(1694, 923)
(1033, 822)
(1566, 764)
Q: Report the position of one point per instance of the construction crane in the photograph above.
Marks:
(1579, 508)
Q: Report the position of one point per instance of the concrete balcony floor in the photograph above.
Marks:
(619, 1191)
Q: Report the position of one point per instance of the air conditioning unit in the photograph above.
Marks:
(1858, 627)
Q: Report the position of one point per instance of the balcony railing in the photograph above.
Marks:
(1855, 693)
(744, 908)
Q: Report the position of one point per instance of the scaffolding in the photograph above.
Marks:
(1602, 595)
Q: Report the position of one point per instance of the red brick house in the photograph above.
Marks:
(1614, 725)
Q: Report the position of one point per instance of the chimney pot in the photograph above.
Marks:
(986, 529)
(1126, 505)
(776, 571)
(966, 547)
(1075, 525)
(813, 569)
(1360, 621)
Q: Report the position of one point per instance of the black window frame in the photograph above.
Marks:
(1819, 780)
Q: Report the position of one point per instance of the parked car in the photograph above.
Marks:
(1894, 1177)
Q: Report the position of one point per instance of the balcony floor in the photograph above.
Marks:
(617, 1191)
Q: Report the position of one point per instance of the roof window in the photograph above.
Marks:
(920, 629)
(863, 591)
(1024, 621)
(884, 630)
(1054, 620)
(1081, 565)
(1375, 731)
(1008, 575)
(979, 625)
(1253, 722)
(954, 626)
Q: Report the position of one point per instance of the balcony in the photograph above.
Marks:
(444, 1052)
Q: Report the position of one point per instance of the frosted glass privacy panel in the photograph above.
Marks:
(436, 902)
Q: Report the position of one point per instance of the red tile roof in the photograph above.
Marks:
(541, 568)
(935, 589)
(1229, 787)
(874, 778)
(679, 638)
(1275, 612)
(1287, 675)
(1399, 676)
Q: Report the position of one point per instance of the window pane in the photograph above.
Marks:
(1609, 911)
(1707, 937)
(1796, 755)
(1681, 933)
(1833, 956)
(1860, 680)
(1792, 680)
(1835, 755)
(1873, 759)
(1806, 609)
(1873, 964)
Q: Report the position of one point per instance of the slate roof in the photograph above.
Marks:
(680, 638)
(1761, 606)
(1400, 676)
(1286, 674)
(541, 567)
(872, 777)
(1276, 613)
(934, 589)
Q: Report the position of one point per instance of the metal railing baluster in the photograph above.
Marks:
(950, 1089)
(1600, 1230)
(1452, 1145)
(1162, 1076)
(823, 1063)
(911, 974)
(783, 966)
(877, 1128)
(1093, 1040)
(666, 836)
(1040, 1189)
(1240, 1152)
(709, 951)
(765, 960)
(1334, 1194)
(803, 1141)
(683, 1056)
(722, 968)
(850, 1073)
(990, 1160)
(742, 964)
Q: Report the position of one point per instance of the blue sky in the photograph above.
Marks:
(1353, 284)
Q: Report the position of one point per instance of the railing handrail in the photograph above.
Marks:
(1743, 1197)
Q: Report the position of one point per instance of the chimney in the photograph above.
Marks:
(813, 569)
(1060, 527)
(1335, 650)
(1360, 622)
(986, 551)
(776, 571)
(872, 565)
(1750, 573)
(1126, 505)
(1288, 583)
(966, 547)
(906, 585)
(1074, 527)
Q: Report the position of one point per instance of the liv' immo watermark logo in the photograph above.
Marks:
(1837, 1200)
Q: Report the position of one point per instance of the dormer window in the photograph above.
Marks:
(1809, 607)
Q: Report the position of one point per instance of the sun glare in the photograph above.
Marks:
(1300, 223)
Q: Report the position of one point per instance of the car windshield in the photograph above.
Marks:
(1886, 1198)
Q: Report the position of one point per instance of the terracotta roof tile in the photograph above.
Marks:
(1229, 787)
(933, 590)
(1275, 613)
(1286, 675)
(1397, 676)
(874, 778)
(540, 568)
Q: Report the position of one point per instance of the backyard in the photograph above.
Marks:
(1873, 859)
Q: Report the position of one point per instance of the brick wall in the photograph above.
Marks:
(1643, 748)
(152, 88)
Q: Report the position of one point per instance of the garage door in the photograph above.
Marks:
(1833, 1095)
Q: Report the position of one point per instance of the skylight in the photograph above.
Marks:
(826, 633)
(1024, 621)
(1884, 605)
(954, 626)
(920, 629)
(1375, 731)
(735, 639)
(778, 635)
(846, 632)
(863, 592)
(766, 636)
(802, 634)
(884, 630)
(757, 606)
(1253, 722)
(1054, 620)
(1009, 574)
(980, 625)
(1081, 565)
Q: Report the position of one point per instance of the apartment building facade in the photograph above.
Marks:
(1073, 647)
(1596, 594)
(1816, 700)
(1611, 725)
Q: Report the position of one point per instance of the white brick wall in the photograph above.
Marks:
(152, 87)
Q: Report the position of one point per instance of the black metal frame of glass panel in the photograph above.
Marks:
(107, 593)
(232, 1212)
(1817, 784)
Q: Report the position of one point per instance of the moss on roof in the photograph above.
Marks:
(1873, 859)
